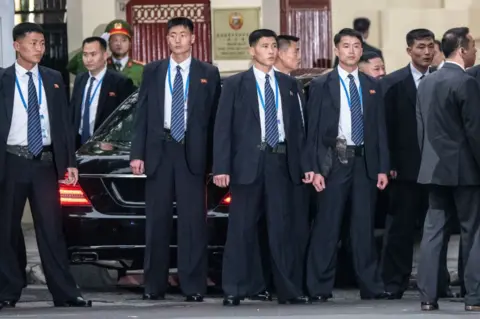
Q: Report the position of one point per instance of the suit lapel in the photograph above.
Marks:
(410, 87)
(365, 91)
(251, 96)
(8, 83)
(48, 86)
(334, 88)
(160, 91)
(193, 87)
(102, 99)
(284, 92)
(80, 93)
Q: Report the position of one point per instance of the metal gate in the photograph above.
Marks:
(149, 22)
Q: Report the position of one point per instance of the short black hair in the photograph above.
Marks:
(347, 32)
(439, 43)
(285, 41)
(361, 25)
(103, 43)
(454, 39)
(369, 55)
(180, 21)
(256, 35)
(419, 34)
(22, 29)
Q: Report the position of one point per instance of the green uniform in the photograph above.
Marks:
(133, 70)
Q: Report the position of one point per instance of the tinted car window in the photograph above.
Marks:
(118, 127)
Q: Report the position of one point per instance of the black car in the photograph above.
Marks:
(104, 217)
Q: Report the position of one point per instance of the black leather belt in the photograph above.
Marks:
(167, 136)
(355, 151)
(45, 155)
(280, 148)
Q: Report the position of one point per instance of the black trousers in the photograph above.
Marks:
(346, 181)
(445, 202)
(171, 182)
(36, 181)
(270, 194)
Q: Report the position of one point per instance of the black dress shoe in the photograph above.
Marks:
(321, 298)
(78, 302)
(153, 297)
(262, 296)
(382, 296)
(429, 306)
(230, 301)
(194, 298)
(302, 300)
(8, 304)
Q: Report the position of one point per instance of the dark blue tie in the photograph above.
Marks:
(356, 112)
(177, 125)
(86, 113)
(34, 127)
(271, 126)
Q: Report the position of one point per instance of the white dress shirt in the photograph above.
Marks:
(260, 77)
(18, 134)
(95, 96)
(345, 121)
(299, 100)
(123, 62)
(185, 66)
(417, 74)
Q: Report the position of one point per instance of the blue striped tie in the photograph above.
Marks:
(356, 112)
(34, 127)
(177, 126)
(271, 126)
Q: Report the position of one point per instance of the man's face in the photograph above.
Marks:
(470, 54)
(438, 56)
(180, 39)
(265, 51)
(374, 67)
(94, 57)
(290, 57)
(349, 50)
(31, 47)
(422, 52)
(119, 44)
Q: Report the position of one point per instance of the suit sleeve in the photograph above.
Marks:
(137, 151)
(383, 152)
(470, 95)
(390, 119)
(216, 88)
(222, 137)
(314, 106)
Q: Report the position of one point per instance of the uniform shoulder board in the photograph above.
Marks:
(138, 62)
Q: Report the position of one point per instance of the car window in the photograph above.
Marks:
(118, 127)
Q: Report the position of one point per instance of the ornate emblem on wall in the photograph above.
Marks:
(235, 20)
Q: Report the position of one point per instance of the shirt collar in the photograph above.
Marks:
(440, 65)
(21, 71)
(185, 65)
(344, 74)
(260, 75)
(455, 64)
(99, 75)
(123, 61)
(275, 68)
(417, 74)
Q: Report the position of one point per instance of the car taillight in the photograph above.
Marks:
(226, 200)
(73, 195)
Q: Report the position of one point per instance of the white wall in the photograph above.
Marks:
(7, 13)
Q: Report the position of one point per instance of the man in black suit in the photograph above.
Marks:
(37, 151)
(257, 152)
(448, 125)
(347, 139)
(362, 26)
(172, 143)
(97, 93)
(408, 199)
(372, 64)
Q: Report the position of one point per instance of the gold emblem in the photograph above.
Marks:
(235, 20)
(117, 25)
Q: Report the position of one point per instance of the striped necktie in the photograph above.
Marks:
(355, 112)
(34, 127)
(271, 126)
(177, 126)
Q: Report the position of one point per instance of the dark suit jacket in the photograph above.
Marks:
(475, 72)
(448, 123)
(400, 94)
(366, 48)
(323, 118)
(203, 95)
(58, 114)
(114, 90)
(237, 137)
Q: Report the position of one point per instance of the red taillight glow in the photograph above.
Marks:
(73, 195)
(226, 200)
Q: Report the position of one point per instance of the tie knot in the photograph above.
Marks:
(92, 79)
(29, 74)
(267, 77)
(351, 77)
(179, 68)
(423, 75)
